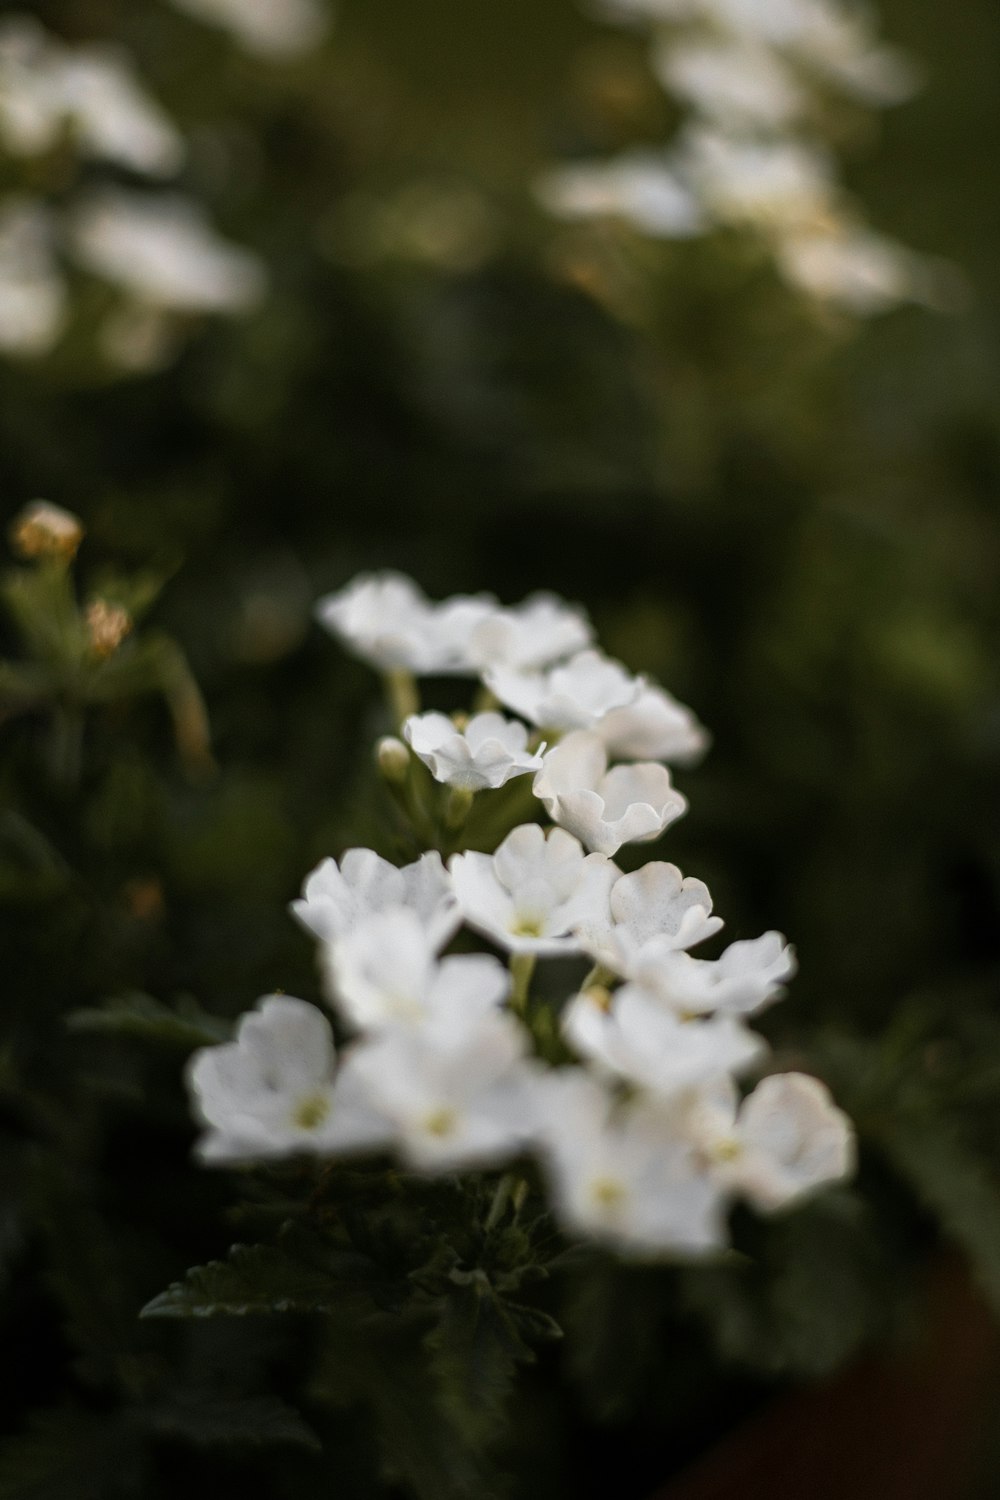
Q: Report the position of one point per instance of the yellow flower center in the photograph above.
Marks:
(442, 1122)
(311, 1111)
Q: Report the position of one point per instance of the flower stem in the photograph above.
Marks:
(522, 967)
(403, 694)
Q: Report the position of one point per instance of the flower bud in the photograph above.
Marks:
(107, 626)
(393, 759)
(44, 531)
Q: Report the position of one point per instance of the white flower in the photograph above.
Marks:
(622, 1174)
(336, 898)
(275, 1090)
(863, 271)
(654, 903)
(47, 88)
(527, 636)
(385, 971)
(784, 1141)
(628, 804)
(535, 891)
(467, 1101)
(575, 695)
(273, 28)
(747, 976)
(387, 621)
(654, 727)
(485, 754)
(769, 184)
(161, 250)
(641, 187)
(633, 1037)
(32, 293)
(732, 83)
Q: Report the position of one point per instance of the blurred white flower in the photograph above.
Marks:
(654, 727)
(387, 621)
(654, 904)
(642, 187)
(484, 755)
(461, 1101)
(161, 250)
(745, 978)
(385, 971)
(785, 1140)
(528, 636)
(272, 28)
(336, 898)
(730, 83)
(770, 184)
(851, 265)
(605, 809)
(634, 1037)
(48, 88)
(32, 292)
(622, 1174)
(574, 695)
(535, 891)
(275, 1090)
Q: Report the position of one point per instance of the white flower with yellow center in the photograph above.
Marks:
(575, 695)
(335, 898)
(655, 902)
(622, 1173)
(481, 756)
(275, 1091)
(533, 894)
(385, 972)
(464, 1099)
(605, 808)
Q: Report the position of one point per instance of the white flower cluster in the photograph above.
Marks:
(642, 1133)
(157, 249)
(754, 79)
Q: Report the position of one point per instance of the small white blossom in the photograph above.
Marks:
(773, 185)
(785, 1140)
(642, 187)
(387, 621)
(622, 1174)
(605, 809)
(530, 635)
(656, 903)
(533, 894)
(461, 1101)
(575, 695)
(275, 1090)
(485, 754)
(745, 978)
(385, 971)
(654, 727)
(862, 271)
(634, 1037)
(272, 28)
(731, 83)
(336, 898)
(160, 249)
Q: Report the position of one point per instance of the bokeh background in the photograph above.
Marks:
(789, 515)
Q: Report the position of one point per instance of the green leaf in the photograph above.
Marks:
(146, 1019)
(262, 1279)
(206, 1419)
(474, 1350)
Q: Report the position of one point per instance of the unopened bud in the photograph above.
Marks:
(458, 807)
(43, 530)
(107, 625)
(392, 759)
(599, 995)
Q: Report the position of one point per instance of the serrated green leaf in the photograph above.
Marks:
(147, 1019)
(262, 1279)
(207, 1419)
(475, 1349)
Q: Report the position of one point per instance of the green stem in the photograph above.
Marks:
(403, 694)
(502, 1196)
(66, 745)
(522, 967)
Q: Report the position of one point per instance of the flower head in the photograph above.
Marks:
(533, 894)
(485, 754)
(745, 978)
(575, 695)
(655, 902)
(275, 1090)
(335, 898)
(531, 635)
(387, 621)
(654, 727)
(628, 804)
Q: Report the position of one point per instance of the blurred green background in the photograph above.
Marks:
(791, 519)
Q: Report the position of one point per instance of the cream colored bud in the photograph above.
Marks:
(107, 625)
(392, 759)
(43, 530)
